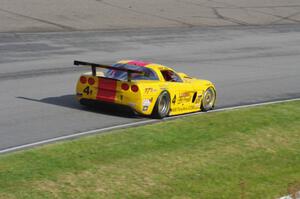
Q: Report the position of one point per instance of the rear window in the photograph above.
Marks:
(121, 75)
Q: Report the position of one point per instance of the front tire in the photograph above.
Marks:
(208, 100)
(162, 106)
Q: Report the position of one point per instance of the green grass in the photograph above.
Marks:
(247, 153)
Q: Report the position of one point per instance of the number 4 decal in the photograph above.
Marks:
(87, 90)
(174, 100)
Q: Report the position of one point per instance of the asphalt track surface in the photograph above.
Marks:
(37, 79)
(78, 15)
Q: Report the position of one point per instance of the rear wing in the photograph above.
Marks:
(94, 66)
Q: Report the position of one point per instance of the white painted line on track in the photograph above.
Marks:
(76, 135)
(235, 107)
(149, 121)
(295, 196)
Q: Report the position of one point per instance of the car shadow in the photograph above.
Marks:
(70, 101)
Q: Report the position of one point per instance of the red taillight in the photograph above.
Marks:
(82, 79)
(125, 86)
(91, 81)
(134, 88)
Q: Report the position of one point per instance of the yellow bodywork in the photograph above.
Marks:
(186, 96)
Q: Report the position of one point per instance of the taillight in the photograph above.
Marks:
(82, 79)
(91, 81)
(125, 86)
(134, 88)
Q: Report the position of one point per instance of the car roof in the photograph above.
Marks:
(144, 64)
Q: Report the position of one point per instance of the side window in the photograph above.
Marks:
(170, 76)
(148, 74)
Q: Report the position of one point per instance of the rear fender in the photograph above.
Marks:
(149, 92)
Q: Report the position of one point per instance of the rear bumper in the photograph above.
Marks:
(106, 106)
(122, 101)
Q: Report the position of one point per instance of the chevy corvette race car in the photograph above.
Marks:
(147, 88)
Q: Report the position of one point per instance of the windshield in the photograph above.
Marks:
(148, 74)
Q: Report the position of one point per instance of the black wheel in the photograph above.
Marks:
(209, 99)
(162, 106)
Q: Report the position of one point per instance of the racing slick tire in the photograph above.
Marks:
(162, 106)
(208, 100)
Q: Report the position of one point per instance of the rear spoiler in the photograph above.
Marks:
(94, 66)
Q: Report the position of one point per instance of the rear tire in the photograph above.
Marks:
(208, 100)
(162, 106)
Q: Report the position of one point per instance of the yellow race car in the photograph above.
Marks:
(147, 88)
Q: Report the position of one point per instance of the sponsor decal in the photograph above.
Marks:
(185, 108)
(184, 97)
(149, 90)
(146, 102)
(197, 101)
(164, 87)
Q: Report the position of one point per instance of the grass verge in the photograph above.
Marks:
(247, 153)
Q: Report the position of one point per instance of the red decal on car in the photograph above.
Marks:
(107, 90)
(138, 63)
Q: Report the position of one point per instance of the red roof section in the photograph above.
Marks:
(138, 63)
